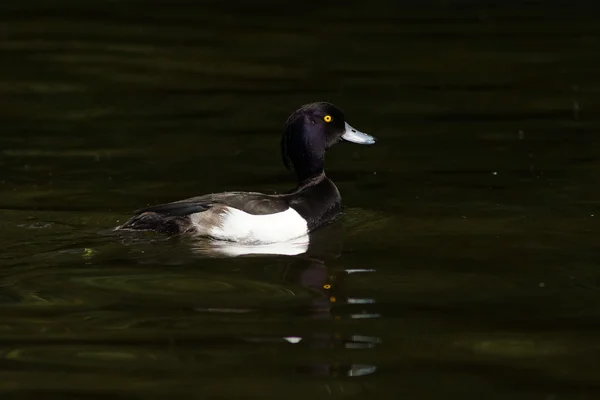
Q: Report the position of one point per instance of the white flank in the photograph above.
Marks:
(239, 226)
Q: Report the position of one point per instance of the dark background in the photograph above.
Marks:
(475, 214)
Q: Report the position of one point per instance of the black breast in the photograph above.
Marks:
(318, 204)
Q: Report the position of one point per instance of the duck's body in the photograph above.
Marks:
(258, 218)
(245, 217)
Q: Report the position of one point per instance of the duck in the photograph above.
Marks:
(254, 218)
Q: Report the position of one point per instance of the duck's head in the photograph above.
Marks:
(310, 131)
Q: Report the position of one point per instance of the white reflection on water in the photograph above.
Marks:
(218, 248)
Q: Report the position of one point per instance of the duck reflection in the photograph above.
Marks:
(306, 265)
(217, 248)
(324, 244)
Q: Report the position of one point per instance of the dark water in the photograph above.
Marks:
(465, 264)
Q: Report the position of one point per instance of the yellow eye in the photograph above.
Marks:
(327, 118)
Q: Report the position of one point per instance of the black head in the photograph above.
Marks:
(310, 131)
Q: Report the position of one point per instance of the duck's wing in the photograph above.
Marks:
(251, 203)
(174, 217)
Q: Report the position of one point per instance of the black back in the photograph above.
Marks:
(252, 203)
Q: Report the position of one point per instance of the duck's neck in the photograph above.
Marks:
(306, 177)
(310, 180)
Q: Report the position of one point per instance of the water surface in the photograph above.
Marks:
(465, 263)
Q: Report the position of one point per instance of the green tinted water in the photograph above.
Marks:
(465, 264)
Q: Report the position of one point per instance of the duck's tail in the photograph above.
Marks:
(152, 221)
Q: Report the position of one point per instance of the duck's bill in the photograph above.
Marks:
(356, 136)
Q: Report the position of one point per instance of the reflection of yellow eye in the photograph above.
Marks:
(327, 118)
(327, 286)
